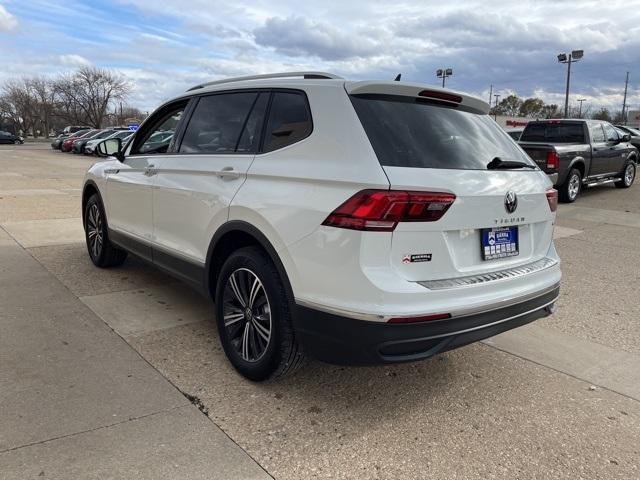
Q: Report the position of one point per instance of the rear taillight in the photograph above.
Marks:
(381, 210)
(552, 198)
(553, 160)
(425, 318)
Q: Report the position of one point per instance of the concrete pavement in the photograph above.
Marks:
(556, 399)
(76, 401)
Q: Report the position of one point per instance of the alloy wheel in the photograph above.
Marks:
(94, 231)
(574, 186)
(629, 174)
(247, 315)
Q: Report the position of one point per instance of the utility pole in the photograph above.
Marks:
(624, 101)
(495, 108)
(490, 94)
(580, 100)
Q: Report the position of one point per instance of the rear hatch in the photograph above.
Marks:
(426, 144)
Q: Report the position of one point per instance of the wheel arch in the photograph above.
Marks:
(90, 188)
(231, 236)
(580, 164)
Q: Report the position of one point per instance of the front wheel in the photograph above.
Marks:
(102, 252)
(17, 142)
(628, 175)
(569, 190)
(253, 314)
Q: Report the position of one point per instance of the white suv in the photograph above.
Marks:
(356, 222)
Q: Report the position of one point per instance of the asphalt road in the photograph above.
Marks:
(556, 399)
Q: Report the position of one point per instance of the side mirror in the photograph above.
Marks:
(111, 147)
(626, 137)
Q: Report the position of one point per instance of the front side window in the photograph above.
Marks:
(156, 140)
(217, 123)
(610, 133)
(289, 120)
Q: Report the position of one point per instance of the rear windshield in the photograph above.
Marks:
(408, 132)
(553, 132)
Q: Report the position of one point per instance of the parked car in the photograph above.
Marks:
(67, 144)
(634, 132)
(56, 144)
(6, 137)
(78, 145)
(355, 222)
(68, 130)
(514, 132)
(633, 139)
(124, 135)
(575, 153)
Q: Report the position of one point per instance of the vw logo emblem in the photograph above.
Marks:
(510, 201)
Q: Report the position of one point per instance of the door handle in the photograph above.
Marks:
(150, 171)
(228, 172)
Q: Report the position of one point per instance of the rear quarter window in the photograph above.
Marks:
(289, 120)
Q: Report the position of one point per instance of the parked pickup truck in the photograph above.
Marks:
(575, 153)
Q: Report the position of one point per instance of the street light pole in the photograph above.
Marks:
(580, 100)
(573, 57)
(443, 73)
(495, 107)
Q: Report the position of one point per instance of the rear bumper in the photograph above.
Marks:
(553, 177)
(347, 341)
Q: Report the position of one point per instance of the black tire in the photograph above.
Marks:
(102, 252)
(17, 142)
(569, 190)
(627, 181)
(279, 354)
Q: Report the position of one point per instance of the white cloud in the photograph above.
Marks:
(8, 22)
(73, 60)
(510, 45)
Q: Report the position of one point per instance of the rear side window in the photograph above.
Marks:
(407, 132)
(250, 138)
(564, 132)
(289, 120)
(217, 122)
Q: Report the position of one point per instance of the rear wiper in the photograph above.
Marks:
(497, 164)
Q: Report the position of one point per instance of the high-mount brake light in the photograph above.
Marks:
(381, 210)
(437, 95)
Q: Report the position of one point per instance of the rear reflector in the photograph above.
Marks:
(381, 210)
(425, 318)
(552, 198)
(553, 160)
(449, 97)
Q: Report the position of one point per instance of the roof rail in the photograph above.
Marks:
(307, 75)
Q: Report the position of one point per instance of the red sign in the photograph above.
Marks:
(515, 123)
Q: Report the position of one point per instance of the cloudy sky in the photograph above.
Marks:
(166, 46)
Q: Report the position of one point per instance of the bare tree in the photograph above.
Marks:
(89, 92)
(18, 105)
(44, 94)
